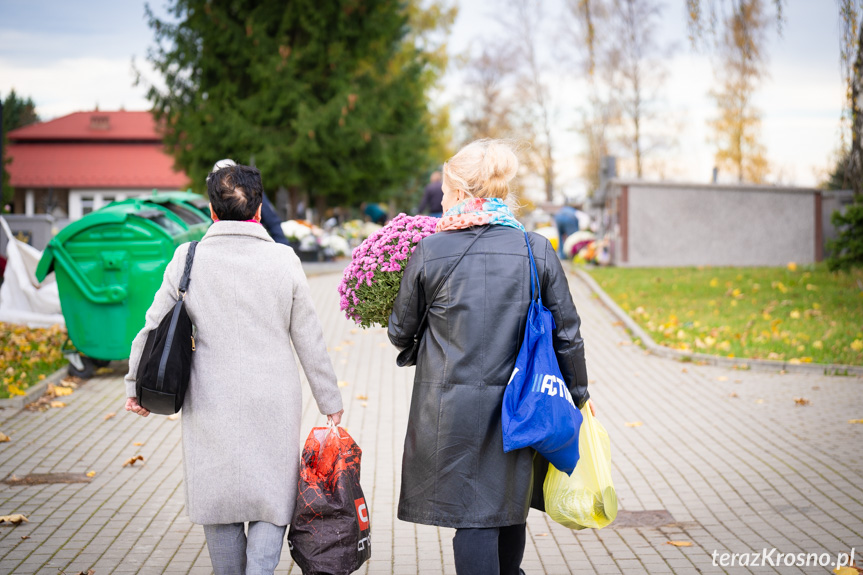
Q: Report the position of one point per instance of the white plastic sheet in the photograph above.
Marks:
(24, 300)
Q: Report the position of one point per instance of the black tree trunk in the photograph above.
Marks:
(854, 169)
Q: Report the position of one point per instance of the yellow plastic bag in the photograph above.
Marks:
(585, 499)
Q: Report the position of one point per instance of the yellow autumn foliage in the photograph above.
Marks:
(27, 355)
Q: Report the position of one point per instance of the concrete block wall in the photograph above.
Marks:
(665, 225)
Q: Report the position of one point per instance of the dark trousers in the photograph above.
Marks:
(489, 551)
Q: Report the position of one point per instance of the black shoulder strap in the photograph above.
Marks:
(446, 277)
(190, 257)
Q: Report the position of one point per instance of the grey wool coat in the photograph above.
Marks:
(249, 300)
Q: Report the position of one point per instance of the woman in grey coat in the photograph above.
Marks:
(249, 300)
(455, 472)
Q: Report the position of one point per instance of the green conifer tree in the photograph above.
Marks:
(327, 97)
(17, 112)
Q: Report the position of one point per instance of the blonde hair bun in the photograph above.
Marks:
(483, 169)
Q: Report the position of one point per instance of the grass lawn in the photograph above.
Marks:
(27, 356)
(795, 313)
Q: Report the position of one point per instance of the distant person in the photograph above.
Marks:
(566, 220)
(433, 197)
(375, 213)
(272, 222)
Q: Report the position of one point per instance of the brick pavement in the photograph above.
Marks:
(737, 474)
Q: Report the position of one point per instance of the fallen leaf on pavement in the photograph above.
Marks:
(365, 404)
(138, 444)
(70, 381)
(732, 394)
(721, 378)
(59, 391)
(362, 396)
(132, 460)
(174, 417)
(90, 474)
(4, 438)
(109, 415)
(23, 537)
(542, 534)
(855, 421)
(14, 519)
(848, 570)
(759, 401)
(801, 401)
(684, 370)
(104, 371)
(679, 543)
(343, 384)
(46, 402)
(634, 424)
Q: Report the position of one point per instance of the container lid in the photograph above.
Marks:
(114, 213)
(180, 202)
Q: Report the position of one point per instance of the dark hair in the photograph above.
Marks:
(235, 192)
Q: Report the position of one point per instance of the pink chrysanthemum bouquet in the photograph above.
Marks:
(371, 281)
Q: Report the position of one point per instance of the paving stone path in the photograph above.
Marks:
(726, 459)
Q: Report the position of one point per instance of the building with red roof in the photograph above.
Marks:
(75, 164)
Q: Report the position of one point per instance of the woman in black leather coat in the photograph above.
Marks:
(455, 472)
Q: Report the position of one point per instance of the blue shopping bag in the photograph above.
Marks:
(538, 410)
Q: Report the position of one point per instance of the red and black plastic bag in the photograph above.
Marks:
(330, 529)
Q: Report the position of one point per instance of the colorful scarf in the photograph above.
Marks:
(478, 212)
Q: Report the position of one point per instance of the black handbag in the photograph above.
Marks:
(166, 362)
(408, 356)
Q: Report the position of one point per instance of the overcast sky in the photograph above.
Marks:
(71, 56)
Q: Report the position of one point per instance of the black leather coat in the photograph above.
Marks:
(455, 473)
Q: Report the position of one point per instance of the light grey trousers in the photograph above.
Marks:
(234, 553)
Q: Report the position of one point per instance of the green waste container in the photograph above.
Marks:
(109, 265)
(186, 199)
